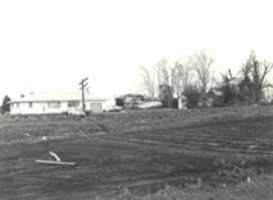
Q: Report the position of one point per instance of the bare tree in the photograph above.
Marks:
(180, 75)
(162, 72)
(148, 82)
(264, 69)
(201, 64)
(255, 73)
(176, 76)
(157, 75)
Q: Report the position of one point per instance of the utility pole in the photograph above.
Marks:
(83, 85)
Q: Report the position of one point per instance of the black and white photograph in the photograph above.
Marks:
(136, 100)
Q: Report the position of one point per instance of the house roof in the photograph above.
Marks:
(131, 95)
(42, 97)
(236, 81)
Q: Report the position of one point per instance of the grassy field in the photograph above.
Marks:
(141, 151)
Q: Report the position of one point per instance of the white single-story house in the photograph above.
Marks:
(54, 103)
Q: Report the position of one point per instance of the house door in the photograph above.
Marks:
(96, 107)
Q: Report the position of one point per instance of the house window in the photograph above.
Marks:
(54, 104)
(30, 104)
(17, 105)
(73, 104)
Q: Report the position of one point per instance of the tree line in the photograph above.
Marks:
(193, 82)
(5, 107)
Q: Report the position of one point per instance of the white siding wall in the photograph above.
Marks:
(37, 108)
(44, 108)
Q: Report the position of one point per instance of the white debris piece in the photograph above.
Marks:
(253, 147)
(248, 179)
(54, 155)
(151, 104)
(27, 134)
(53, 162)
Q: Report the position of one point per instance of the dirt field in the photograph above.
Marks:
(141, 151)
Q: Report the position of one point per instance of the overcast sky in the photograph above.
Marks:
(49, 45)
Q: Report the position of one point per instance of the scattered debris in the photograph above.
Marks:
(57, 160)
(143, 122)
(248, 179)
(75, 111)
(27, 134)
(236, 171)
(253, 147)
(149, 105)
(113, 108)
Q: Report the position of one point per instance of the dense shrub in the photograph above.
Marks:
(166, 95)
(193, 96)
(5, 105)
